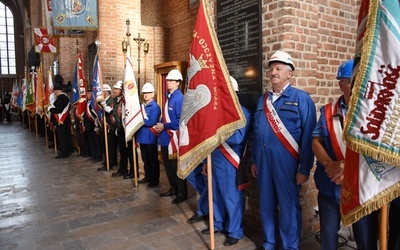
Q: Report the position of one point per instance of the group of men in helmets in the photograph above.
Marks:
(285, 138)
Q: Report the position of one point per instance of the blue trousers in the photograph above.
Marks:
(280, 207)
(365, 232)
(199, 182)
(228, 201)
(329, 220)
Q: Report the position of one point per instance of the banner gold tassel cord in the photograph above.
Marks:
(210, 202)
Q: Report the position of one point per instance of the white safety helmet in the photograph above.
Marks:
(283, 57)
(106, 87)
(174, 75)
(147, 88)
(118, 85)
(234, 83)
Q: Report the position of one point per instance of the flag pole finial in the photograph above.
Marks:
(98, 43)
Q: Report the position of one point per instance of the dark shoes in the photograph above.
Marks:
(61, 156)
(116, 174)
(168, 193)
(207, 231)
(128, 176)
(152, 184)
(103, 169)
(195, 218)
(231, 241)
(178, 199)
(144, 180)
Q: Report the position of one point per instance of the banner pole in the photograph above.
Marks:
(55, 141)
(45, 130)
(210, 202)
(134, 161)
(29, 120)
(36, 125)
(106, 140)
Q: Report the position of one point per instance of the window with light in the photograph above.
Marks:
(7, 42)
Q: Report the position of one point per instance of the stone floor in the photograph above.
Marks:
(48, 203)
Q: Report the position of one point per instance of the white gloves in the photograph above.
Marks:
(108, 109)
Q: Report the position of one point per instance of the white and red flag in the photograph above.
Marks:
(133, 117)
(372, 128)
(49, 16)
(211, 112)
(44, 43)
(50, 96)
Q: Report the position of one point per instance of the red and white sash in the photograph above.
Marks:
(229, 154)
(89, 112)
(60, 117)
(335, 130)
(173, 134)
(279, 129)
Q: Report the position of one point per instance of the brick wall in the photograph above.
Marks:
(320, 35)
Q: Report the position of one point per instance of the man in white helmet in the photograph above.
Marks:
(168, 137)
(281, 153)
(125, 149)
(147, 136)
(112, 142)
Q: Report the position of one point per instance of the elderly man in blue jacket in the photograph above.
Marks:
(281, 153)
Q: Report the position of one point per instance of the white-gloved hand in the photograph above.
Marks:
(103, 103)
(51, 106)
(107, 109)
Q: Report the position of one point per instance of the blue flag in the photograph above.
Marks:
(75, 14)
(97, 93)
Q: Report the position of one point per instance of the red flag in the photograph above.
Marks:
(211, 111)
(79, 90)
(43, 42)
(371, 178)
